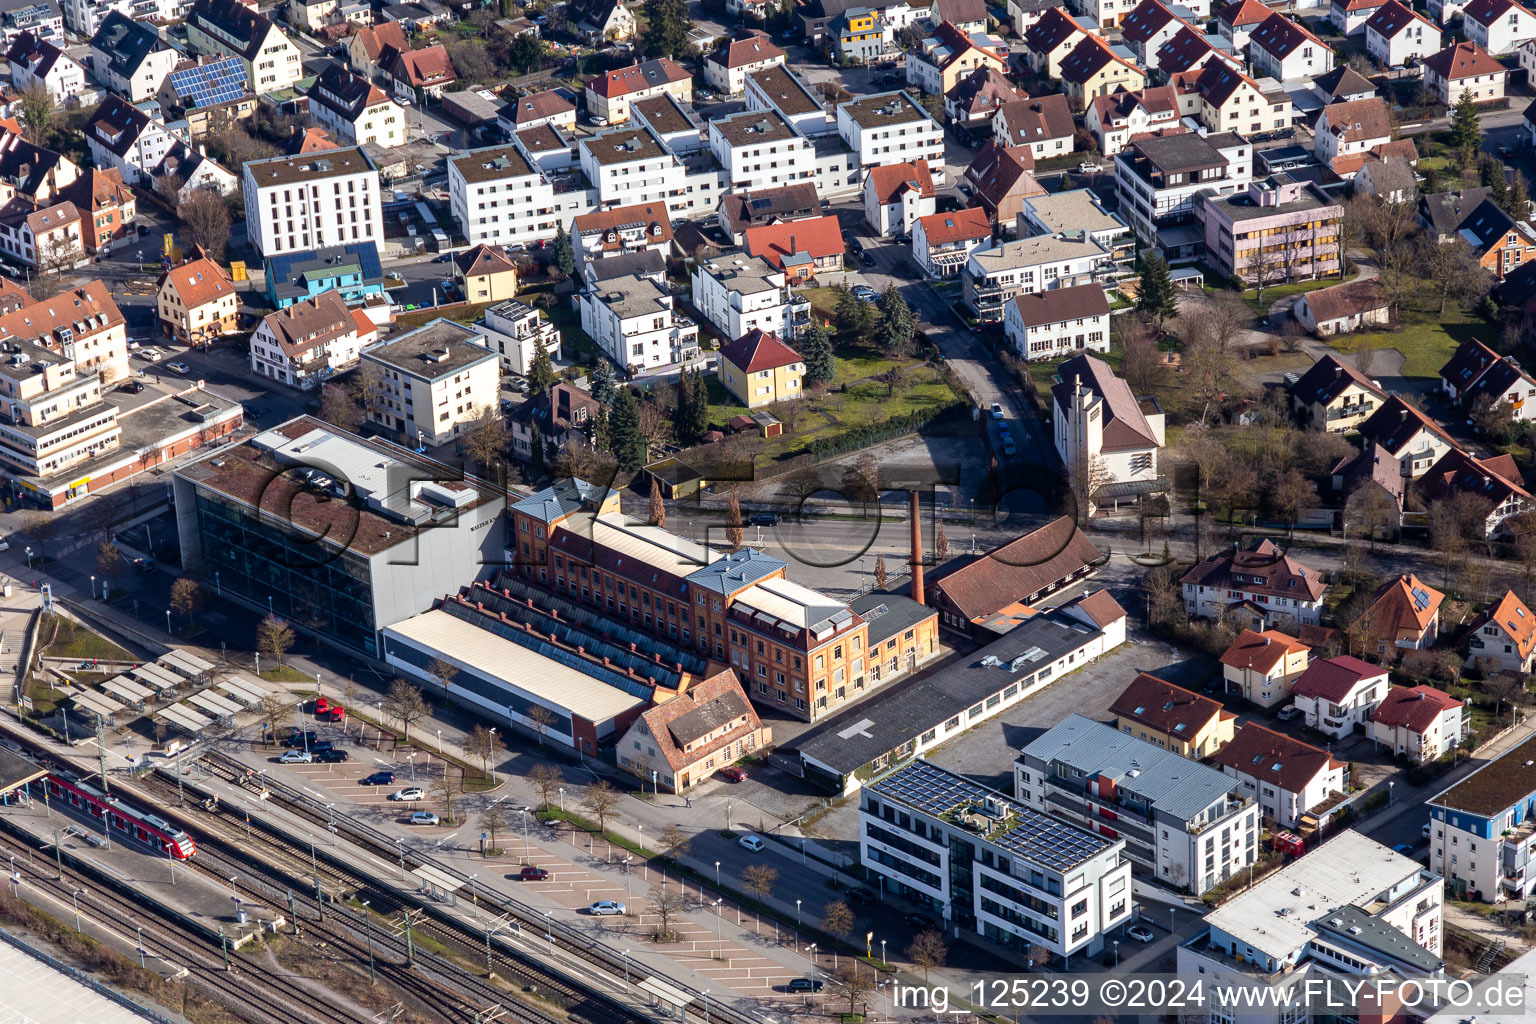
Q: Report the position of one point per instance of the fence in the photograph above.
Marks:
(84, 979)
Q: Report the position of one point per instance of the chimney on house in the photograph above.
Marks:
(917, 546)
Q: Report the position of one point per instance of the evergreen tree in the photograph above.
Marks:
(896, 323)
(541, 373)
(536, 448)
(628, 444)
(683, 419)
(658, 509)
(562, 253)
(602, 382)
(698, 408)
(1066, 182)
(1517, 201)
(1466, 133)
(1155, 298)
(602, 434)
(816, 350)
(668, 24)
(733, 522)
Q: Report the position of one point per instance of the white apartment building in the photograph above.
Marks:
(121, 135)
(890, 128)
(1351, 128)
(1336, 695)
(1498, 26)
(942, 243)
(1464, 67)
(1285, 51)
(778, 88)
(1104, 433)
(1349, 911)
(130, 58)
(761, 149)
(1288, 777)
(630, 166)
(633, 322)
(1396, 33)
(1058, 323)
(602, 234)
(499, 198)
(438, 380)
(1262, 664)
(1482, 834)
(1504, 635)
(517, 331)
(1184, 823)
(1029, 879)
(355, 111)
(737, 293)
(304, 344)
(1157, 180)
(992, 277)
(272, 61)
(727, 68)
(35, 61)
(295, 203)
(1419, 723)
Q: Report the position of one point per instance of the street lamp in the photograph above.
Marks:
(797, 913)
(548, 933)
(810, 959)
(439, 741)
(706, 1006)
(628, 889)
(493, 770)
(719, 942)
(883, 960)
(717, 874)
(524, 813)
(93, 586)
(75, 896)
(373, 977)
(562, 797)
(167, 620)
(1117, 952)
(29, 556)
(626, 970)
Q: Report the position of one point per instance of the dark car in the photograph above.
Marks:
(131, 387)
(764, 519)
(866, 259)
(803, 985)
(318, 747)
(864, 896)
(298, 740)
(532, 874)
(143, 565)
(379, 779)
(921, 922)
(331, 756)
(444, 258)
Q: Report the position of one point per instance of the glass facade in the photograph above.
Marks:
(297, 577)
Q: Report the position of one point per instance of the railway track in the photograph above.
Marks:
(261, 994)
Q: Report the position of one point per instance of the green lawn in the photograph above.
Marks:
(1283, 291)
(1043, 371)
(1427, 340)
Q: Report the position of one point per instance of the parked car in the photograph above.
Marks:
(332, 756)
(606, 908)
(143, 565)
(866, 259)
(862, 895)
(920, 922)
(532, 874)
(1288, 712)
(337, 713)
(444, 258)
(316, 746)
(1089, 167)
(180, 367)
(1009, 448)
(423, 818)
(300, 740)
(731, 773)
(804, 985)
(378, 779)
(295, 757)
(321, 706)
(408, 793)
(131, 387)
(1424, 832)
(1140, 932)
(1406, 849)
(997, 410)
(751, 842)
(764, 519)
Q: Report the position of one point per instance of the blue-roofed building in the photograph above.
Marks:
(736, 571)
(1184, 823)
(353, 270)
(1012, 874)
(1482, 830)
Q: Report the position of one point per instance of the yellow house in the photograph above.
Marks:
(486, 273)
(759, 369)
(1092, 70)
(1334, 396)
(1172, 717)
(862, 36)
(196, 301)
(1262, 666)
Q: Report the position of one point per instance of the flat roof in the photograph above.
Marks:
(516, 666)
(16, 771)
(899, 713)
(666, 115)
(1074, 210)
(35, 991)
(1496, 786)
(290, 170)
(884, 109)
(439, 349)
(1276, 915)
(751, 127)
(1029, 252)
(888, 614)
(493, 163)
(786, 91)
(624, 146)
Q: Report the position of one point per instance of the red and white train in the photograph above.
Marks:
(119, 817)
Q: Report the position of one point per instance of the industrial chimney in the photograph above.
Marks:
(917, 546)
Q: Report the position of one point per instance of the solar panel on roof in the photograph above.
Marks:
(210, 84)
(1420, 598)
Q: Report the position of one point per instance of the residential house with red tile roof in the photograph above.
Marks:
(368, 47)
(1372, 465)
(1419, 723)
(1503, 636)
(1464, 67)
(1237, 20)
(799, 248)
(546, 107)
(196, 301)
(760, 369)
(107, 206)
(1262, 665)
(303, 344)
(1258, 582)
(1408, 435)
(1353, 128)
(1059, 322)
(1116, 119)
(415, 74)
(1405, 615)
(486, 273)
(1147, 28)
(1020, 572)
(1498, 26)
(1041, 124)
(1287, 777)
(949, 54)
(609, 95)
(1230, 101)
(1048, 41)
(728, 65)
(1350, 16)
(975, 99)
(688, 738)
(1284, 50)
(1497, 482)
(896, 195)
(1336, 695)
(1396, 33)
(942, 242)
(1093, 69)
(1000, 179)
(1176, 719)
(1334, 396)
(562, 415)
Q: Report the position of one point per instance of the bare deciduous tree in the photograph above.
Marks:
(837, 919)
(480, 744)
(543, 720)
(851, 984)
(599, 798)
(666, 903)
(405, 704)
(759, 880)
(545, 778)
(273, 709)
(274, 637)
(494, 820)
(928, 950)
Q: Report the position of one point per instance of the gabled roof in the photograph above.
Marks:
(424, 68)
(38, 56)
(1280, 36)
(1054, 28)
(1090, 56)
(1346, 299)
(378, 38)
(1000, 172)
(1243, 13)
(308, 140)
(703, 708)
(1343, 80)
(890, 182)
(1057, 304)
(1462, 60)
(98, 189)
(818, 237)
(1186, 49)
(1163, 707)
(1280, 761)
(768, 204)
(1514, 617)
(1470, 362)
(1357, 120)
(1037, 119)
(1125, 426)
(984, 89)
(1405, 604)
(311, 323)
(1333, 678)
(654, 217)
(1017, 570)
(637, 77)
(957, 226)
(596, 13)
(1445, 211)
(759, 350)
(1146, 20)
(27, 166)
(1413, 707)
(350, 95)
(1354, 6)
(1264, 651)
(961, 12)
(1373, 464)
(1401, 153)
(1099, 607)
(1327, 379)
(1487, 225)
(241, 28)
(751, 47)
(198, 282)
(1219, 81)
(1397, 423)
(1392, 17)
(1486, 12)
(1458, 472)
(125, 43)
(482, 260)
(1260, 568)
(1497, 381)
(949, 44)
(536, 107)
